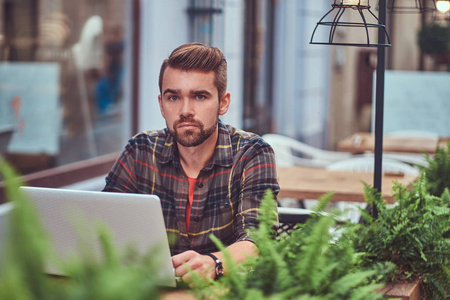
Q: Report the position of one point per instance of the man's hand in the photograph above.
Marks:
(201, 264)
(205, 265)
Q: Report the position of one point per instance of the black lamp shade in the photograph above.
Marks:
(333, 29)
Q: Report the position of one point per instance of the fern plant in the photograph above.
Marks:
(414, 235)
(307, 264)
(22, 273)
(437, 173)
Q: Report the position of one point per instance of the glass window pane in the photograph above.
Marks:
(61, 81)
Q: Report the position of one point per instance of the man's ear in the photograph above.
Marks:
(161, 106)
(224, 103)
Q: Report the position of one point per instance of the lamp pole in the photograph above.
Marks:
(341, 5)
(379, 102)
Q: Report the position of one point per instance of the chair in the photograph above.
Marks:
(366, 164)
(291, 152)
(289, 217)
(412, 159)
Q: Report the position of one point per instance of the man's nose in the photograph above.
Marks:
(187, 107)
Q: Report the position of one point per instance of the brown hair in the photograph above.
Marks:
(198, 57)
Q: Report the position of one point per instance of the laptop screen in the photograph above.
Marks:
(133, 220)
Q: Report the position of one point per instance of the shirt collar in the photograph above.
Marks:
(223, 156)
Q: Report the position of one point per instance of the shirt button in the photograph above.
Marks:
(196, 219)
(199, 185)
(226, 204)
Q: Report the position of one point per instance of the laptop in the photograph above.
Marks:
(132, 220)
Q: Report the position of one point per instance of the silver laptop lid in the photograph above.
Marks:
(132, 219)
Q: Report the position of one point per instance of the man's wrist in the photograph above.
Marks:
(219, 266)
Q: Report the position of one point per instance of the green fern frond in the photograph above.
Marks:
(437, 172)
(22, 276)
(302, 265)
(446, 197)
(26, 246)
(413, 235)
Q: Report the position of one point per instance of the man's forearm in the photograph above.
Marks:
(205, 265)
(239, 252)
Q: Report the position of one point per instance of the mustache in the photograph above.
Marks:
(188, 119)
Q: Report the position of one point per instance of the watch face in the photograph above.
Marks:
(219, 270)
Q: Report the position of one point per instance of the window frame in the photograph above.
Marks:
(97, 166)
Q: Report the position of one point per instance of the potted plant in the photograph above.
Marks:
(414, 235)
(308, 263)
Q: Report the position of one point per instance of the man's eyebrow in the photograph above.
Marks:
(171, 91)
(201, 92)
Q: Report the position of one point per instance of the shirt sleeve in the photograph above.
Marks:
(258, 175)
(122, 177)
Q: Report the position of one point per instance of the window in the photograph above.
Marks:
(206, 21)
(64, 80)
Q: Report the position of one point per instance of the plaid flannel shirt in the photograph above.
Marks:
(227, 194)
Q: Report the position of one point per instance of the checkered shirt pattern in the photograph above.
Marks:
(228, 191)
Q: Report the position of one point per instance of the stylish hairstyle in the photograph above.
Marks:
(198, 57)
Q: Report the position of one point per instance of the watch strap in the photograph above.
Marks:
(219, 266)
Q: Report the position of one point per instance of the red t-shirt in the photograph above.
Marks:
(192, 182)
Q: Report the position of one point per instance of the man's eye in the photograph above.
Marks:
(173, 98)
(200, 97)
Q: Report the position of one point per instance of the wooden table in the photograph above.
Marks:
(365, 142)
(312, 183)
(407, 291)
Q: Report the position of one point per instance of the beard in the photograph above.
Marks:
(192, 138)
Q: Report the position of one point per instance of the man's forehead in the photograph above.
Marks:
(178, 79)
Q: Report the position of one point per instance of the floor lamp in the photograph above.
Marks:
(379, 104)
(363, 8)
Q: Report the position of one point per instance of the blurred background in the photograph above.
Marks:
(79, 78)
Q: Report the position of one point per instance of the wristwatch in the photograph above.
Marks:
(219, 266)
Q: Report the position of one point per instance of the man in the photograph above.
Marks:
(210, 177)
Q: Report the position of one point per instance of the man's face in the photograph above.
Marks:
(190, 105)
